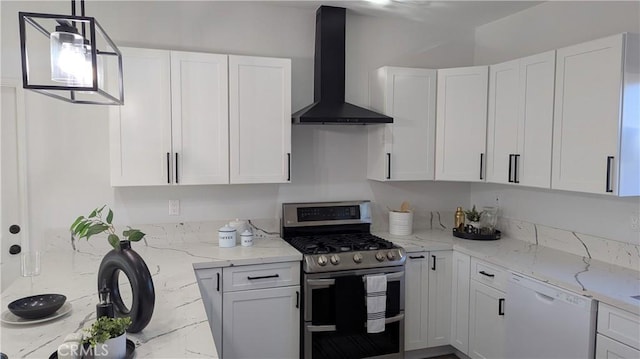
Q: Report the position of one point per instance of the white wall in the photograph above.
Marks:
(545, 27)
(68, 144)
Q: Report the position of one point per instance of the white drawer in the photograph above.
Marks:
(619, 324)
(489, 274)
(607, 348)
(260, 276)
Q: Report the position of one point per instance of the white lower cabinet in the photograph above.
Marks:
(486, 322)
(460, 302)
(618, 333)
(427, 299)
(254, 310)
(607, 348)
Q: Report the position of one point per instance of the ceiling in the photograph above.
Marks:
(462, 14)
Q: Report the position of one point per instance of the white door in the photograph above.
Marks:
(461, 124)
(261, 323)
(210, 285)
(416, 277)
(503, 121)
(486, 322)
(408, 95)
(533, 163)
(13, 191)
(140, 130)
(200, 118)
(259, 119)
(461, 273)
(587, 115)
(439, 298)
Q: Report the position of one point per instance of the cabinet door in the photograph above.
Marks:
(261, 323)
(210, 284)
(439, 298)
(460, 302)
(200, 118)
(259, 119)
(607, 348)
(408, 95)
(140, 130)
(587, 115)
(416, 276)
(533, 165)
(486, 322)
(461, 124)
(503, 121)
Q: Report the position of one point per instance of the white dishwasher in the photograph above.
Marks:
(544, 321)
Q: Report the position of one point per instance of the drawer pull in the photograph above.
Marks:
(264, 277)
(487, 274)
(433, 265)
(416, 257)
(501, 306)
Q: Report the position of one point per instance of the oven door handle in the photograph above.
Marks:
(320, 283)
(332, 328)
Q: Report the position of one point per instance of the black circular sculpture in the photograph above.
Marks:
(128, 261)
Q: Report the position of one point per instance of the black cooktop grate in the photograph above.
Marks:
(335, 243)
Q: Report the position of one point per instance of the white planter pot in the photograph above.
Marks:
(114, 348)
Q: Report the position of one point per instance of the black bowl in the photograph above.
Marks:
(37, 306)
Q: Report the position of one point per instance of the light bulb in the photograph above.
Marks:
(69, 63)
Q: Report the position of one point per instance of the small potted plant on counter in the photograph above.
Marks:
(107, 336)
(473, 218)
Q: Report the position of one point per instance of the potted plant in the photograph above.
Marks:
(107, 337)
(473, 217)
(121, 258)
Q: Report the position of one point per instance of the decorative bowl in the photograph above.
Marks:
(37, 306)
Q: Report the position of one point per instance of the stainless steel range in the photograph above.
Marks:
(339, 252)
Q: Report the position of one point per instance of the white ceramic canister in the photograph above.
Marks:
(400, 223)
(246, 238)
(239, 225)
(226, 237)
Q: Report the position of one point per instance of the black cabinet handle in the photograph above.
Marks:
(168, 167)
(501, 306)
(516, 177)
(433, 265)
(288, 166)
(510, 169)
(297, 299)
(218, 282)
(481, 164)
(487, 274)
(609, 188)
(388, 165)
(264, 277)
(416, 257)
(177, 168)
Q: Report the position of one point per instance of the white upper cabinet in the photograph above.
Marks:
(405, 149)
(259, 119)
(140, 130)
(596, 136)
(520, 121)
(461, 123)
(200, 126)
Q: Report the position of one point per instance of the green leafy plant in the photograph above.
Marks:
(106, 328)
(85, 227)
(473, 215)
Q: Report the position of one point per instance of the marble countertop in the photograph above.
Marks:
(179, 326)
(595, 279)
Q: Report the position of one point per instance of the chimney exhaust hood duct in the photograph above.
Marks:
(329, 106)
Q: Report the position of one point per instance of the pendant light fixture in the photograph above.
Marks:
(85, 65)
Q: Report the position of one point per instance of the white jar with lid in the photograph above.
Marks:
(246, 238)
(239, 225)
(226, 237)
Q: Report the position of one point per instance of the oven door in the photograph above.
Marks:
(322, 340)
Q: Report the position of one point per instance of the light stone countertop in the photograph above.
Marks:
(178, 327)
(591, 278)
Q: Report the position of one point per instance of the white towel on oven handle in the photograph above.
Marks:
(376, 295)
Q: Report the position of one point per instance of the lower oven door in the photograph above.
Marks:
(323, 340)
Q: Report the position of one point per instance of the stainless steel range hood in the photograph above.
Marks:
(329, 106)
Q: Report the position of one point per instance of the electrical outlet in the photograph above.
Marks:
(635, 222)
(174, 207)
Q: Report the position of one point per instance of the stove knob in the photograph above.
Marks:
(322, 260)
(357, 258)
(379, 256)
(335, 259)
(391, 255)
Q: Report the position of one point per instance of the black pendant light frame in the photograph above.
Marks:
(60, 91)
